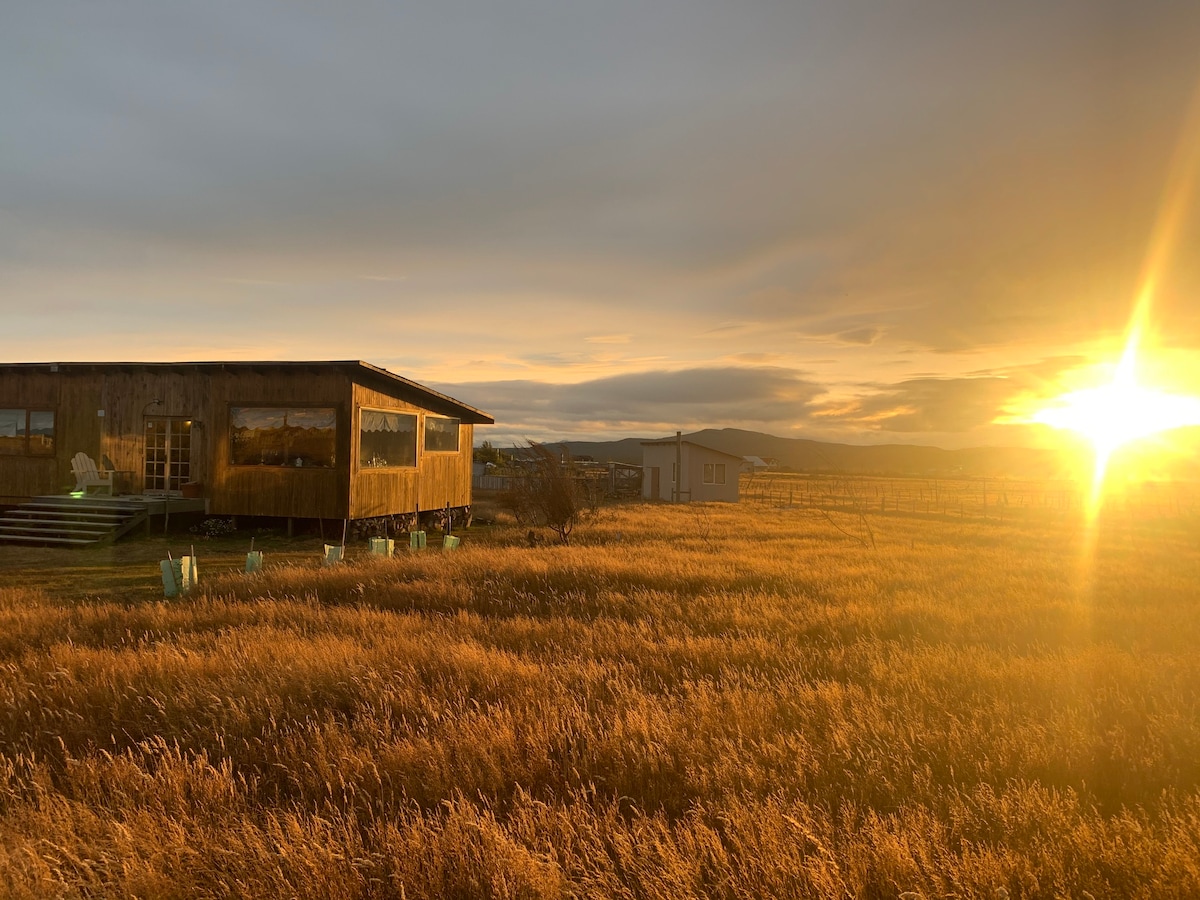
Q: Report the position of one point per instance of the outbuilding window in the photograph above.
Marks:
(26, 432)
(386, 440)
(300, 437)
(714, 473)
(441, 434)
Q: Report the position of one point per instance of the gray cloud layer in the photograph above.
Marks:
(888, 180)
(649, 400)
(768, 398)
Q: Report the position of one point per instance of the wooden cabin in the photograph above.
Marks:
(334, 440)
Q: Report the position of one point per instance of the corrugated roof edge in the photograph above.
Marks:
(357, 369)
(668, 442)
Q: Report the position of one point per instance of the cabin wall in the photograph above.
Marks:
(204, 396)
(126, 397)
(438, 479)
(446, 477)
(103, 412)
(277, 490)
(76, 427)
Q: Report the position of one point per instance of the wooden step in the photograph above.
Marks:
(82, 505)
(70, 521)
(50, 514)
(11, 525)
(47, 539)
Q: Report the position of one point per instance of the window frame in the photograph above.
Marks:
(26, 450)
(457, 433)
(711, 470)
(411, 413)
(287, 407)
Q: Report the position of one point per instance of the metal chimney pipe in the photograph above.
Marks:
(678, 497)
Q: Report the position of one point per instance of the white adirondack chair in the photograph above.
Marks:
(87, 475)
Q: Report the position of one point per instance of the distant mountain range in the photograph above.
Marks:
(801, 455)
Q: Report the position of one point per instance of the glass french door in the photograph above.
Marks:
(168, 454)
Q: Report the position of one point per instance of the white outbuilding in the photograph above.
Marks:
(708, 474)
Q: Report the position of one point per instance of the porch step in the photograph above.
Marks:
(45, 540)
(17, 523)
(70, 521)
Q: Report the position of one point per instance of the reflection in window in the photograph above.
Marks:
(440, 434)
(387, 440)
(26, 432)
(270, 436)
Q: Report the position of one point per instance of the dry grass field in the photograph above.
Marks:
(724, 702)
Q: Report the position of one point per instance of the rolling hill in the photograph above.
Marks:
(802, 455)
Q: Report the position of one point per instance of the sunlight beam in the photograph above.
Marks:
(1122, 411)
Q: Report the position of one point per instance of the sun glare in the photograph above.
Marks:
(1118, 413)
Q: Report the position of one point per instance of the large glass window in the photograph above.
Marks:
(304, 437)
(26, 432)
(440, 434)
(386, 440)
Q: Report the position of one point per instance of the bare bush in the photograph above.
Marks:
(549, 493)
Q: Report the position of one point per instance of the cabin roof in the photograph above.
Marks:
(363, 373)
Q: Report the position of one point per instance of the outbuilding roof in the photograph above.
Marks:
(670, 442)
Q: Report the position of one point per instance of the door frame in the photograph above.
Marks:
(185, 460)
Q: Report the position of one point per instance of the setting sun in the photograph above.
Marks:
(1118, 413)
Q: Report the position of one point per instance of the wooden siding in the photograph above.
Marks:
(76, 427)
(205, 397)
(29, 476)
(438, 479)
(125, 397)
(280, 490)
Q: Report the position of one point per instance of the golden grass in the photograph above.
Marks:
(718, 702)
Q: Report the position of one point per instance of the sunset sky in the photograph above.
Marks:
(858, 221)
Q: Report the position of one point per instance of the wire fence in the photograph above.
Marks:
(998, 498)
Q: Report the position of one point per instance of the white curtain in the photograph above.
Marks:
(374, 420)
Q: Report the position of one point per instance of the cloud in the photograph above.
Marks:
(865, 336)
(647, 401)
(952, 411)
(928, 405)
(941, 405)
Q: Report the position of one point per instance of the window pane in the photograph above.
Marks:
(387, 440)
(720, 473)
(12, 432)
(440, 434)
(41, 432)
(270, 436)
(708, 473)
